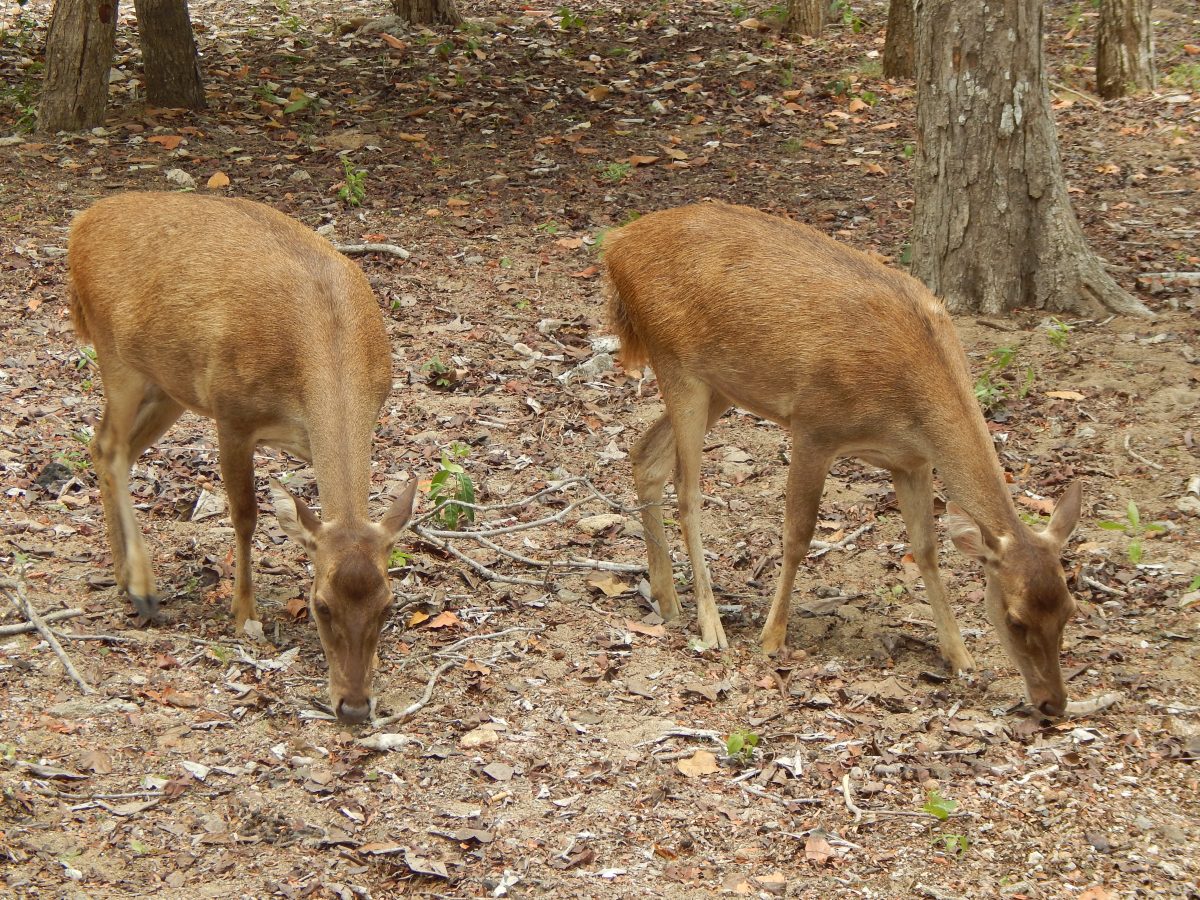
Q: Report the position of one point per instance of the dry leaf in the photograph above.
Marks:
(97, 761)
(1096, 893)
(297, 607)
(817, 849)
(394, 42)
(1040, 504)
(699, 764)
(598, 93)
(167, 141)
(1065, 395)
(570, 243)
(218, 180)
(445, 619)
(642, 160)
(611, 585)
(589, 272)
(411, 138)
(417, 618)
(857, 105)
(648, 630)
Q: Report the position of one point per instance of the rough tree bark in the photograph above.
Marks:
(1124, 48)
(169, 57)
(806, 17)
(900, 44)
(428, 12)
(79, 51)
(993, 226)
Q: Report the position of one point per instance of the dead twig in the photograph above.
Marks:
(1149, 462)
(823, 547)
(15, 591)
(23, 627)
(482, 637)
(479, 567)
(413, 708)
(848, 795)
(1101, 586)
(391, 249)
(1090, 707)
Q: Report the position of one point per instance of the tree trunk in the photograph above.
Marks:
(428, 12)
(1124, 48)
(900, 44)
(805, 17)
(169, 57)
(79, 51)
(993, 228)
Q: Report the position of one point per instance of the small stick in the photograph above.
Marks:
(57, 616)
(105, 638)
(784, 801)
(481, 637)
(1139, 456)
(392, 249)
(16, 593)
(1089, 707)
(479, 567)
(409, 711)
(823, 547)
(849, 798)
(1101, 586)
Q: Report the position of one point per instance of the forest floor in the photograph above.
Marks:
(577, 746)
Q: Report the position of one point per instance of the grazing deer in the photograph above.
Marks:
(239, 313)
(733, 306)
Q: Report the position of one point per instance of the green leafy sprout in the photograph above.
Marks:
(1058, 333)
(938, 806)
(450, 488)
(1134, 529)
(740, 744)
(354, 191)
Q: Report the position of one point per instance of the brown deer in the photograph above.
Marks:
(233, 310)
(733, 306)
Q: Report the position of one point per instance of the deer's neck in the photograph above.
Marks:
(341, 455)
(966, 461)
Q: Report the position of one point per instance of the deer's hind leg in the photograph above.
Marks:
(136, 413)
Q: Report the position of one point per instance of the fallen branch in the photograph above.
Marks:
(1101, 586)
(1090, 707)
(481, 637)
(413, 708)
(15, 590)
(823, 547)
(23, 627)
(479, 567)
(848, 795)
(1149, 462)
(391, 249)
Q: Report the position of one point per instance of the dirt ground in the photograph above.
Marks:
(575, 746)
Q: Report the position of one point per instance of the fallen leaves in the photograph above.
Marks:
(698, 765)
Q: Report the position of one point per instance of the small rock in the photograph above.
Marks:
(180, 178)
(299, 175)
(479, 737)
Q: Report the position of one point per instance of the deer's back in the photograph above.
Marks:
(222, 301)
(778, 316)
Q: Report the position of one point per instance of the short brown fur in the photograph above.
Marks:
(732, 306)
(237, 312)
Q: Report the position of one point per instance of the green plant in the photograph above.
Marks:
(452, 486)
(440, 374)
(87, 357)
(75, 460)
(20, 100)
(354, 191)
(869, 97)
(842, 10)
(989, 390)
(952, 844)
(1075, 17)
(1058, 332)
(614, 171)
(1195, 585)
(910, 150)
(938, 806)
(397, 559)
(301, 102)
(1134, 529)
(550, 228)
(567, 20)
(1184, 75)
(740, 744)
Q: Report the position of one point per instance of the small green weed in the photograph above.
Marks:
(1184, 75)
(740, 744)
(954, 845)
(849, 18)
(568, 21)
(354, 191)
(989, 390)
(1195, 585)
(398, 559)
(441, 376)
(75, 460)
(1058, 333)
(452, 486)
(550, 228)
(938, 806)
(614, 172)
(1134, 529)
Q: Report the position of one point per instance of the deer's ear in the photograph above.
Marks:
(966, 535)
(295, 518)
(1066, 514)
(396, 519)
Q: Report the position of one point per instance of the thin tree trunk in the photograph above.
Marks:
(993, 227)
(428, 12)
(900, 44)
(79, 51)
(806, 17)
(1124, 48)
(169, 57)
